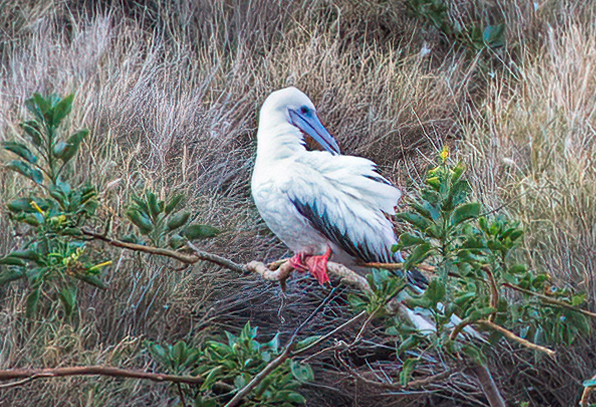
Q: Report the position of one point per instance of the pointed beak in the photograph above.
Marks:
(309, 123)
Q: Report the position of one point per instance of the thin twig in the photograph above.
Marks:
(550, 300)
(182, 399)
(330, 334)
(515, 338)
(32, 374)
(398, 266)
(494, 293)
(197, 255)
(278, 361)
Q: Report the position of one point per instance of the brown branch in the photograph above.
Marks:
(283, 272)
(197, 255)
(32, 374)
(398, 266)
(550, 300)
(510, 335)
(330, 334)
(588, 390)
(494, 294)
(489, 387)
(457, 330)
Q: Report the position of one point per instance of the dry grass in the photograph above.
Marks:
(170, 92)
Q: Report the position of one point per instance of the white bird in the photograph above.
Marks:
(319, 202)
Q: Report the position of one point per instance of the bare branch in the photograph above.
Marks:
(510, 335)
(489, 387)
(197, 255)
(550, 300)
(32, 374)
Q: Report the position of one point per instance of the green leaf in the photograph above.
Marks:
(153, 204)
(12, 261)
(435, 291)
(408, 239)
(11, 275)
(140, 220)
(474, 353)
(178, 220)
(517, 269)
(21, 150)
(32, 301)
(68, 298)
(409, 343)
(494, 35)
(212, 377)
(33, 130)
(465, 212)
(173, 203)
(407, 370)
(418, 255)
(356, 302)
(27, 254)
(73, 144)
(307, 341)
(419, 222)
(291, 396)
(200, 232)
(59, 149)
(33, 106)
(302, 371)
(62, 109)
(25, 169)
(92, 280)
(176, 241)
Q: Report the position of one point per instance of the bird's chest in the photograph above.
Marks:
(284, 220)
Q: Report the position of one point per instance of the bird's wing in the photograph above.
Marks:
(347, 201)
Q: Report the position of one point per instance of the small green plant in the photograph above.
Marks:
(233, 364)
(474, 260)
(54, 255)
(160, 223)
(474, 36)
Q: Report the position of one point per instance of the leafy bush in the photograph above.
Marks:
(235, 363)
(474, 36)
(54, 255)
(158, 222)
(475, 261)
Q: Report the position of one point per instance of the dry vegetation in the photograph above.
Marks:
(170, 91)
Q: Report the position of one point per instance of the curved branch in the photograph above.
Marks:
(197, 255)
(550, 300)
(510, 335)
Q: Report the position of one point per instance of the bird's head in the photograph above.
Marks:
(290, 106)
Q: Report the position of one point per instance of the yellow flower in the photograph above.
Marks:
(444, 154)
(36, 207)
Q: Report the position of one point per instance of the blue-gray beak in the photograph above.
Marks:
(309, 123)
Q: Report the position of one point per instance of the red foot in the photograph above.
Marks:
(317, 265)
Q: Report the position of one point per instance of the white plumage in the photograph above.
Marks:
(315, 200)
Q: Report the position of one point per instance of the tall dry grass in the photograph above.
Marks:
(170, 91)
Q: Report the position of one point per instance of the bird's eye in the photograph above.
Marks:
(304, 110)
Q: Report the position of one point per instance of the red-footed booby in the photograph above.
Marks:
(319, 203)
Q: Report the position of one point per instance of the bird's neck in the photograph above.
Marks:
(279, 142)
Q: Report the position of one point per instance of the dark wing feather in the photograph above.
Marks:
(320, 221)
